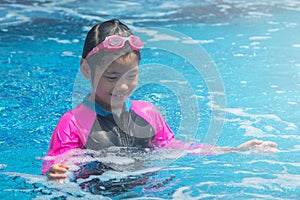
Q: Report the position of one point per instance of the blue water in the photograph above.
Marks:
(250, 90)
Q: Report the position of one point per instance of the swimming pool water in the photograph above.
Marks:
(254, 45)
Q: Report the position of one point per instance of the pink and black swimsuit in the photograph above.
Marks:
(90, 126)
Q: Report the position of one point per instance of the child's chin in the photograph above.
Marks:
(117, 102)
(118, 99)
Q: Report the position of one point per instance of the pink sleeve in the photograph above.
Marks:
(163, 133)
(65, 137)
(71, 132)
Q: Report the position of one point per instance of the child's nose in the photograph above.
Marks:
(122, 87)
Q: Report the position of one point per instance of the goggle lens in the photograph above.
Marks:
(135, 41)
(115, 41)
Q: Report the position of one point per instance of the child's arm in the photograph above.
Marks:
(165, 138)
(64, 138)
(260, 146)
(251, 144)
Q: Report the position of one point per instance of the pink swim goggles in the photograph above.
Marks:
(116, 42)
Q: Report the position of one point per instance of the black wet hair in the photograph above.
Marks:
(102, 30)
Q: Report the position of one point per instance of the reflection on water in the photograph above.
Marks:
(247, 173)
(111, 172)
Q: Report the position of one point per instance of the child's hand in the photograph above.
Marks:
(257, 143)
(57, 171)
(256, 146)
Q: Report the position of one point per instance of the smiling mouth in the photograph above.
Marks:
(119, 96)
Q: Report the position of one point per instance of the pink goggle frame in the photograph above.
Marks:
(116, 42)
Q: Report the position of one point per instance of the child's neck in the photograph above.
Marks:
(117, 110)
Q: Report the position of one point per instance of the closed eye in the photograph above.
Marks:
(132, 76)
(111, 78)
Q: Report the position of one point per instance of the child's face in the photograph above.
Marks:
(116, 83)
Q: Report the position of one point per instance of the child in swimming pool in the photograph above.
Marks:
(106, 117)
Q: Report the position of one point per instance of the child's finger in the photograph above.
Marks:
(255, 142)
(57, 169)
(250, 143)
(57, 176)
(60, 168)
(269, 144)
(65, 166)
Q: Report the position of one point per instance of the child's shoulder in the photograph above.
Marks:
(144, 107)
(80, 111)
(141, 104)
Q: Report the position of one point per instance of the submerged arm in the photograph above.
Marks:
(261, 146)
(258, 145)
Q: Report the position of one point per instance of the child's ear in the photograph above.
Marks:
(85, 68)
